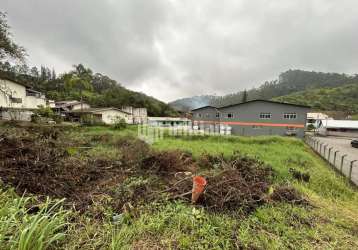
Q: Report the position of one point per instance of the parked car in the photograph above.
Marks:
(354, 143)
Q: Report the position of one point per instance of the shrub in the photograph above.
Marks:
(119, 124)
(311, 127)
(89, 120)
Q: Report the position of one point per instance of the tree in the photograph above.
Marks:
(53, 74)
(8, 48)
(34, 72)
(244, 96)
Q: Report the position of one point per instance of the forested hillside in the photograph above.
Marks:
(96, 89)
(287, 83)
(343, 98)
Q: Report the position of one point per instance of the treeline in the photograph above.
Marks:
(82, 83)
(287, 83)
(343, 98)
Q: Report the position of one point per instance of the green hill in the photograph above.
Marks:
(288, 82)
(343, 98)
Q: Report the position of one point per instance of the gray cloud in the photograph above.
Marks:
(171, 49)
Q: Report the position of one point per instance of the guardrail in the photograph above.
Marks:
(336, 158)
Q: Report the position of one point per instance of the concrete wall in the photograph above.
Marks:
(80, 106)
(111, 116)
(13, 89)
(18, 91)
(17, 115)
(33, 102)
(140, 115)
(246, 118)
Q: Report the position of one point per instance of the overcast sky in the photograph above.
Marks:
(178, 48)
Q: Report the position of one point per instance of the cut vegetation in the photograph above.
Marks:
(96, 187)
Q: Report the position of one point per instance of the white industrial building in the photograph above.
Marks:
(168, 121)
(346, 128)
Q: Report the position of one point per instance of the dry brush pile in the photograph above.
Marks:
(42, 161)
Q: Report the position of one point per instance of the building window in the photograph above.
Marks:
(230, 115)
(199, 115)
(265, 115)
(290, 116)
(15, 100)
(217, 115)
(207, 115)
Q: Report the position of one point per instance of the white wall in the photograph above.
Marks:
(18, 115)
(18, 91)
(111, 116)
(32, 102)
(13, 89)
(80, 106)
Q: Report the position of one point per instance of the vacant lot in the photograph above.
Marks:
(120, 193)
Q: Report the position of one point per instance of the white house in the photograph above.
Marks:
(106, 115)
(347, 128)
(65, 106)
(18, 101)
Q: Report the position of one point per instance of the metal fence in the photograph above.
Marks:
(337, 158)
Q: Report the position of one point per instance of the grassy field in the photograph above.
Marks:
(330, 222)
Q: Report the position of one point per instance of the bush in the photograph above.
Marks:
(45, 114)
(89, 120)
(119, 124)
(311, 127)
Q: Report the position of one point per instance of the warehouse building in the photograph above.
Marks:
(345, 128)
(256, 117)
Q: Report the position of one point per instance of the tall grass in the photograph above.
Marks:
(25, 227)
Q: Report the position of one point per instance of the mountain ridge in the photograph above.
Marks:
(288, 82)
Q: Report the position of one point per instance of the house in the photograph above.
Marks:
(140, 115)
(256, 117)
(18, 101)
(105, 115)
(62, 107)
(314, 118)
(346, 128)
(169, 121)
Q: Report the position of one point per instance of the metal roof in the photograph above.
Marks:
(15, 81)
(151, 118)
(339, 124)
(204, 108)
(94, 110)
(261, 100)
(257, 100)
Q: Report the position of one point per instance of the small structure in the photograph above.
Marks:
(169, 121)
(314, 118)
(345, 128)
(62, 107)
(105, 115)
(140, 115)
(256, 117)
(18, 100)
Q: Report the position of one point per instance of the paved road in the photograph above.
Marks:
(344, 147)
